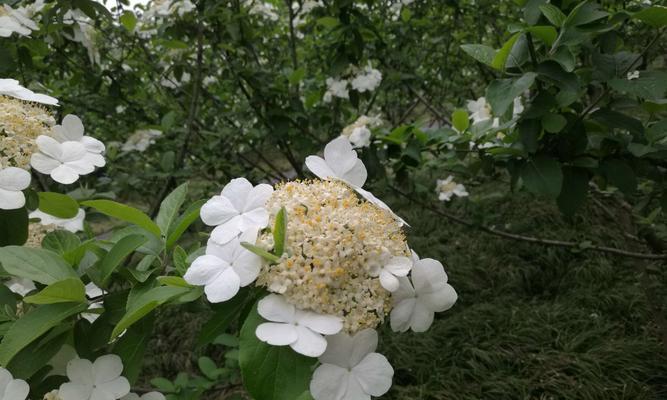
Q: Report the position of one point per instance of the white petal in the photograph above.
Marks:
(324, 324)
(72, 151)
(399, 266)
(153, 396)
(404, 291)
(363, 343)
(309, 343)
(422, 317)
(329, 382)
(217, 211)
(223, 287)
(319, 167)
(257, 218)
(401, 315)
(276, 334)
(17, 389)
(94, 159)
(14, 179)
(354, 391)
(247, 266)
(340, 155)
(427, 271)
(374, 374)
(75, 391)
(64, 174)
(43, 163)
(100, 394)
(224, 252)
(11, 200)
(258, 197)
(389, 281)
(356, 175)
(204, 269)
(49, 146)
(229, 230)
(339, 350)
(275, 308)
(72, 128)
(80, 371)
(107, 368)
(441, 299)
(92, 145)
(370, 197)
(237, 191)
(5, 378)
(118, 387)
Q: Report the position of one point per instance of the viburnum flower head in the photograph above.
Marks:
(12, 183)
(73, 225)
(301, 330)
(417, 301)
(240, 207)
(224, 269)
(12, 389)
(350, 369)
(12, 88)
(340, 161)
(95, 380)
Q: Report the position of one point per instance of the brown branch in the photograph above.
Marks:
(531, 239)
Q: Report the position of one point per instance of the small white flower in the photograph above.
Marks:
(73, 225)
(72, 130)
(141, 139)
(11, 87)
(93, 291)
(12, 20)
(340, 162)
(448, 188)
(12, 389)
(240, 207)
(368, 80)
(351, 369)
(145, 396)
(301, 330)
(633, 75)
(64, 162)
(336, 88)
(360, 137)
(479, 109)
(394, 268)
(416, 302)
(518, 106)
(225, 268)
(12, 182)
(95, 380)
(20, 286)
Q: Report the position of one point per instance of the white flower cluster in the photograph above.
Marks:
(101, 379)
(365, 80)
(141, 139)
(345, 266)
(359, 132)
(262, 9)
(31, 138)
(448, 187)
(480, 110)
(19, 20)
(84, 32)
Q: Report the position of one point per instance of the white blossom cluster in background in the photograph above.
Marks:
(446, 188)
(359, 132)
(362, 80)
(262, 9)
(19, 20)
(141, 139)
(156, 11)
(345, 267)
(397, 7)
(32, 139)
(98, 380)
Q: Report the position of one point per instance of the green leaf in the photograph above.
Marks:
(128, 20)
(553, 14)
(208, 367)
(500, 58)
(657, 131)
(480, 52)
(70, 290)
(261, 252)
(553, 123)
(34, 324)
(180, 259)
(13, 227)
(118, 253)
(542, 175)
(565, 58)
(124, 213)
(169, 208)
(328, 22)
(38, 265)
(501, 93)
(574, 191)
(656, 16)
(35, 356)
(140, 305)
(620, 174)
(547, 34)
(529, 134)
(460, 119)
(225, 314)
(58, 205)
(280, 232)
(531, 11)
(297, 76)
(651, 85)
(271, 372)
(61, 242)
(584, 13)
(131, 348)
(183, 222)
(173, 281)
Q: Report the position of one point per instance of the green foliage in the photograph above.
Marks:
(70, 290)
(38, 265)
(13, 227)
(124, 213)
(280, 232)
(58, 205)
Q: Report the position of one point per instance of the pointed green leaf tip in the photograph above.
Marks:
(280, 232)
(260, 252)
